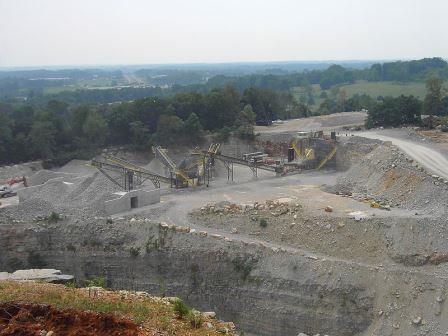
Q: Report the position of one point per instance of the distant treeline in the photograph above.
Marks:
(407, 110)
(58, 132)
(177, 81)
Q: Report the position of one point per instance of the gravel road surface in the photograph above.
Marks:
(433, 160)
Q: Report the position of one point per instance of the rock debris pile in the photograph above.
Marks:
(390, 178)
(274, 208)
(77, 198)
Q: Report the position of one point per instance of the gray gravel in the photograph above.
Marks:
(388, 175)
(75, 198)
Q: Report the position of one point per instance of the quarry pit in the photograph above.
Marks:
(356, 247)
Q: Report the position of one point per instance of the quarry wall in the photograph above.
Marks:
(264, 290)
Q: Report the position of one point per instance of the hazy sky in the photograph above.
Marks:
(77, 32)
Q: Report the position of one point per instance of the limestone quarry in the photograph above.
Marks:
(313, 228)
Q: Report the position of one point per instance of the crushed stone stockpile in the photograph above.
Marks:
(45, 175)
(76, 197)
(25, 169)
(388, 175)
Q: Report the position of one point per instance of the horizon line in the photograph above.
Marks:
(118, 65)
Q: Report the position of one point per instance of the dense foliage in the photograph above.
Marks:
(61, 126)
(58, 132)
(395, 112)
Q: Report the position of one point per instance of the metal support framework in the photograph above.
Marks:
(131, 175)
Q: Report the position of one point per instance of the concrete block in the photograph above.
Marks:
(126, 201)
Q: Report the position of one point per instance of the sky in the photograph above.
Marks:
(111, 32)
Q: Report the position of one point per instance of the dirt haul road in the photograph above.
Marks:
(329, 122)
(428, 157)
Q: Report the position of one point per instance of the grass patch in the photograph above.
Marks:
(153, 315)
(394, 89)
(96, 282)
(181, 309)
(71, 298)
(53, 217)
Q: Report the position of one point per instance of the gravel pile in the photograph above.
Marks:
(25, 169)
(80, 167)
(388, 175)
(76, 198)
(45, 175)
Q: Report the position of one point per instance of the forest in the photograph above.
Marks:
(67, 125)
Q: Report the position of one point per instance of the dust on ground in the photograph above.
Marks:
(325, 122)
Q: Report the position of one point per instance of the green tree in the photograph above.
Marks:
(192, 127)
(42, 139)
(433, 99)
(78, 118)
(119, 122)
(6, 138)
(245, 122)
(395, 112)
(95, 128)
(328, 106)
(140, 137)
(169, 129)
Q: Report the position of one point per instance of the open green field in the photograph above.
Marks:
(81, 84)
(375, 89)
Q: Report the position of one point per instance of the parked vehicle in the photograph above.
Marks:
(6, 191)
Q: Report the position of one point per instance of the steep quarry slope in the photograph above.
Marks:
(388, 174)
(265, 288)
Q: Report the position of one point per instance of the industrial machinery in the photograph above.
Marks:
(311, 149)
(254, 161)
(185, 175)
(6, 191)
(127, 175)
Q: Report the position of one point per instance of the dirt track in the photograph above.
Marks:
(428, 157)
(326, 122)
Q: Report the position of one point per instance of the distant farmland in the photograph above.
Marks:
(373, 89)
(394, 89)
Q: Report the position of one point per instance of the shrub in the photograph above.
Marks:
(71, 247)
(53, 217)
(196, 320)
(109, 221)
(181, 309)
(263, 222)
(223, 134)
(96, 282)
(243, 266)
(71, 284)
(134, 251)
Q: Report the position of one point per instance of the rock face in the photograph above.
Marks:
(264, 292)
(47, 275)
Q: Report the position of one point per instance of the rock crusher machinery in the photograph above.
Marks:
(311, 150)
(254, 161)
(186, 174)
